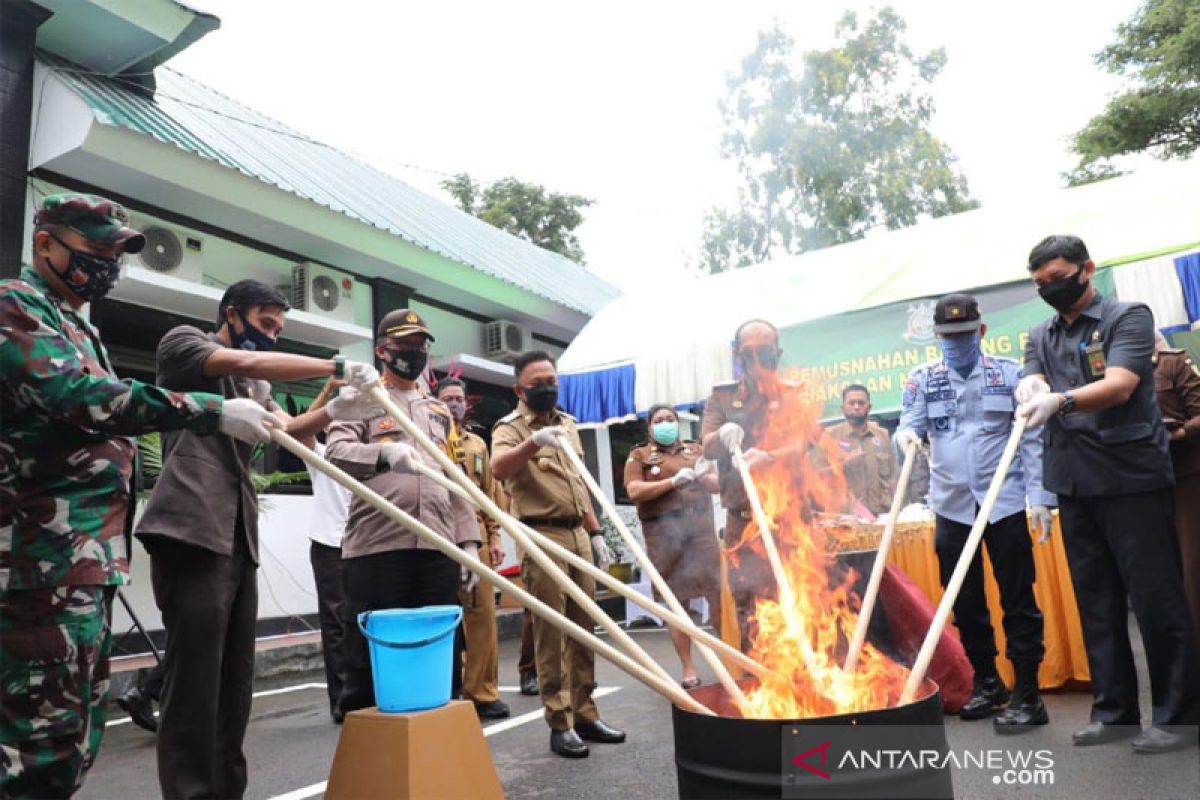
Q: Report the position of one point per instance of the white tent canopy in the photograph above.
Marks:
(680, 346)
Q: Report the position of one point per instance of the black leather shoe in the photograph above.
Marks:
(1020, 717)
(1156, 740)
(1102, 733)
(568, 744)
(140, 708)
(529, 684)
(599, 732)
(492, 710)
(987, 695)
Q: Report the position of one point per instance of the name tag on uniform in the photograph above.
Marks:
(1093, 356)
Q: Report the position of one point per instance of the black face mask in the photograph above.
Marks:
(1064, 292)
(89, 277)
(251, 338)
(408, 364)
(765, 357)
(541, 398)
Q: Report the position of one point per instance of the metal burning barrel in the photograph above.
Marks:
(884, 753)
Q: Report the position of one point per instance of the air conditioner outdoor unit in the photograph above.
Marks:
(171, 252)
(504, 340)
(324, 291)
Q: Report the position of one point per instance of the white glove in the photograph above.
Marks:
(684, 476)
(401, 457)
(548, 437)
(906, 437)
(1040, 409)
(247, 421)
(352, 404)
(360, 375)
(1043, 522)
(1029, 386)
(703, 465)
(731, 435)
(600, 553)
(470, 578)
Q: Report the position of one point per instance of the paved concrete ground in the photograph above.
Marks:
(291, 742)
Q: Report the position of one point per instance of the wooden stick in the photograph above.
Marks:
(684, 624)
(666, 687)
(787, 597)
(572, 589)
(885, 546)
(718, 668)
(925, 655)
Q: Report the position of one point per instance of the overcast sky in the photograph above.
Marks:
(618, 100)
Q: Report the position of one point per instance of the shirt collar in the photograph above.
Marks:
(30, 275)
(1091, 311)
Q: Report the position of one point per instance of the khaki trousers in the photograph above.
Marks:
(481, 667)
(566, 669)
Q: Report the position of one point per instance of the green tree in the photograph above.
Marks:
(833, 149)
(547, 219)
(1158, 49)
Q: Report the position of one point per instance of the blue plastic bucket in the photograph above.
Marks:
(412, 650)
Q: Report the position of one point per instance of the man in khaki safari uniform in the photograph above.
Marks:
(547, 495)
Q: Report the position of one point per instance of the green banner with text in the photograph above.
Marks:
(879, 347)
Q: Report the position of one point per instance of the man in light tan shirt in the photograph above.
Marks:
(386, 565)
(481, 668)
(548, 494)
(865, 450)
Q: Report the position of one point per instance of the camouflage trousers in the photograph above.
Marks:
(54, 650)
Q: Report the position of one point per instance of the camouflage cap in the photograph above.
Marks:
(94, 218)
(402, 322)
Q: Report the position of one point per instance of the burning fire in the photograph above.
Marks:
(803, 639)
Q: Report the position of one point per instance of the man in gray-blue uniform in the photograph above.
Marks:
(964, 404)
(1089, 378)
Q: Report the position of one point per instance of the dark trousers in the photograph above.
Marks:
(526, 661)
(1010, 549)
(331, 600)
(1123, 545)
(395, 579)
(209, 603)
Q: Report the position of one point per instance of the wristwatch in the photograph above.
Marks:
(1068, 404)
(339, 367)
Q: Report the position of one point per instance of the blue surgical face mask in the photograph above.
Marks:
(665, 432)
(961, 351)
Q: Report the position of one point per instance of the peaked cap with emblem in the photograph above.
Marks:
(956, 313)
(94, 218)
(402, 322)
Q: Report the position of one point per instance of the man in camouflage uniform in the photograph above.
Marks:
(66, 457)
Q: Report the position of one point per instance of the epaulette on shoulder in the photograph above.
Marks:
(566, 414)
(508, 418)
(730, 386)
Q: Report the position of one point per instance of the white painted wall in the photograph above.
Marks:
(285, 580)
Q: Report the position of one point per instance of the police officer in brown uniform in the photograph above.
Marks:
(548, 495)
(866, 452)
(674, 505)
(736, 413)
(386, 565)
(1177, 385)
(481, 669)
